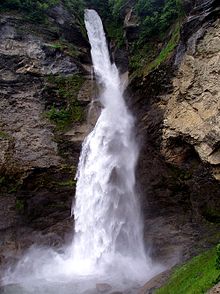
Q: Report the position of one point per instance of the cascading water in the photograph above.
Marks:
(107, 218)
(107, 245)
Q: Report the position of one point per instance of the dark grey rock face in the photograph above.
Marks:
(37, 161)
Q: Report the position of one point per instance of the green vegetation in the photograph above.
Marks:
(116, 33)
(2, 181)
(141, 56)
(56, 46)
(68, 86)
(64, 117)
(60, 116)
(65, 46)
(194, 277)
(68, 89)
(19, 205)
(67, 183)
(101, 6)
(3, 135)
(212, 214)
(9, 184)
(166, 52)
(76, 7)
(155, 17)
(157, 20)
(35, 10)
(145, 59)
(217, 263)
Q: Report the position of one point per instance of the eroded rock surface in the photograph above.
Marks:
(193, 110)
(177, 106)
(38, 160)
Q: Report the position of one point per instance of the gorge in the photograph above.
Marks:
(173, 92)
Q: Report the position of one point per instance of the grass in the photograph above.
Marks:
(166, 52)
(194, 277)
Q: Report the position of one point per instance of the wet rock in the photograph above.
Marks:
(121, 60)
(69, 27)
(178, 131)
(131, 25)
(155, 282)
(8, 216)
(37, 162)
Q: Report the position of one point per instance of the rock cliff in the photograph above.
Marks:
(177, 105)
(45, 93)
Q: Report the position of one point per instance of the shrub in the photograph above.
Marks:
(33, 9)
(60, 117)
(36, 9)
(67, 89)
(155, 16)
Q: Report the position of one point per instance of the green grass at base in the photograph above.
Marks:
(194, 277)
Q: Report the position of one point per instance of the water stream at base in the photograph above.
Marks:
(108, 240)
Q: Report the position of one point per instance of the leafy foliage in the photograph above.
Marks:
(116, 33)
(116, 7)
(76, 7)
(60, 116)
(159, 23)
(155, 16)
(102, 7)
(65, 116)
(34, 9)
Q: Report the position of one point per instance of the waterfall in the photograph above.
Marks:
(108, 240)
(108, 227)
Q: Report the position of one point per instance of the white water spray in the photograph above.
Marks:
(108, 242)
(108, 229)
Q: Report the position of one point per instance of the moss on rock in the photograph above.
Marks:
(67, 89)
